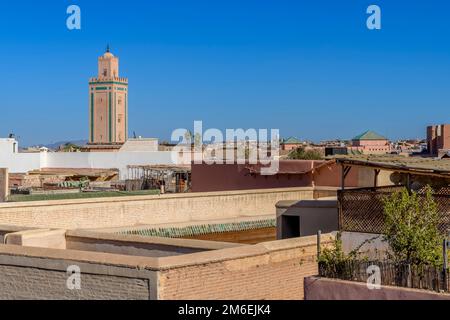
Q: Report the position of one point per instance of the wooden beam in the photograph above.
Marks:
(424, 172)
(347, 170)
(375, 178)
(344, 171)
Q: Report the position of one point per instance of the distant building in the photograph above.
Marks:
(409, 146)
(333, 150)
(438, 139)
(134, 152)
(108, 105)
(370, 142)
(290, 143)
(140, 145)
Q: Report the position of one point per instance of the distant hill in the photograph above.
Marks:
(56, 145)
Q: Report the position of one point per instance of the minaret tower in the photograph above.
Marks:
(108, 103)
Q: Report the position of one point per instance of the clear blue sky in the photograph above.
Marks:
(310, 68)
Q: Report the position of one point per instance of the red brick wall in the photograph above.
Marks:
(277, 274)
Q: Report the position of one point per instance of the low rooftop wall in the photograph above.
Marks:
(137, 245)
(136, 210)
(5, 229)
(44, 238)
(108, 243)
(41, 273)
(270, 270)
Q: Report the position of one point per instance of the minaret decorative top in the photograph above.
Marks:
(108, 65)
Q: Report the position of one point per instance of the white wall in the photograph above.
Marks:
(106, 160)
(24, 162)
(372, 247)
(17, 162)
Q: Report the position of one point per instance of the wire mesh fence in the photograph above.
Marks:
(361, 210)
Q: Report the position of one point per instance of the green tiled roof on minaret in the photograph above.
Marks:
(369, 135)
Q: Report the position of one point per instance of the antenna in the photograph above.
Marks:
(107, 48)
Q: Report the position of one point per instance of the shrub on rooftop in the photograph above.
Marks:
(302, 154)
(411, 228)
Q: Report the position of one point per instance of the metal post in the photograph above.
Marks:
(339, 193)
(408, 182)
(319, 234)
(408, 280)
(445, 254)
(445, 245)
